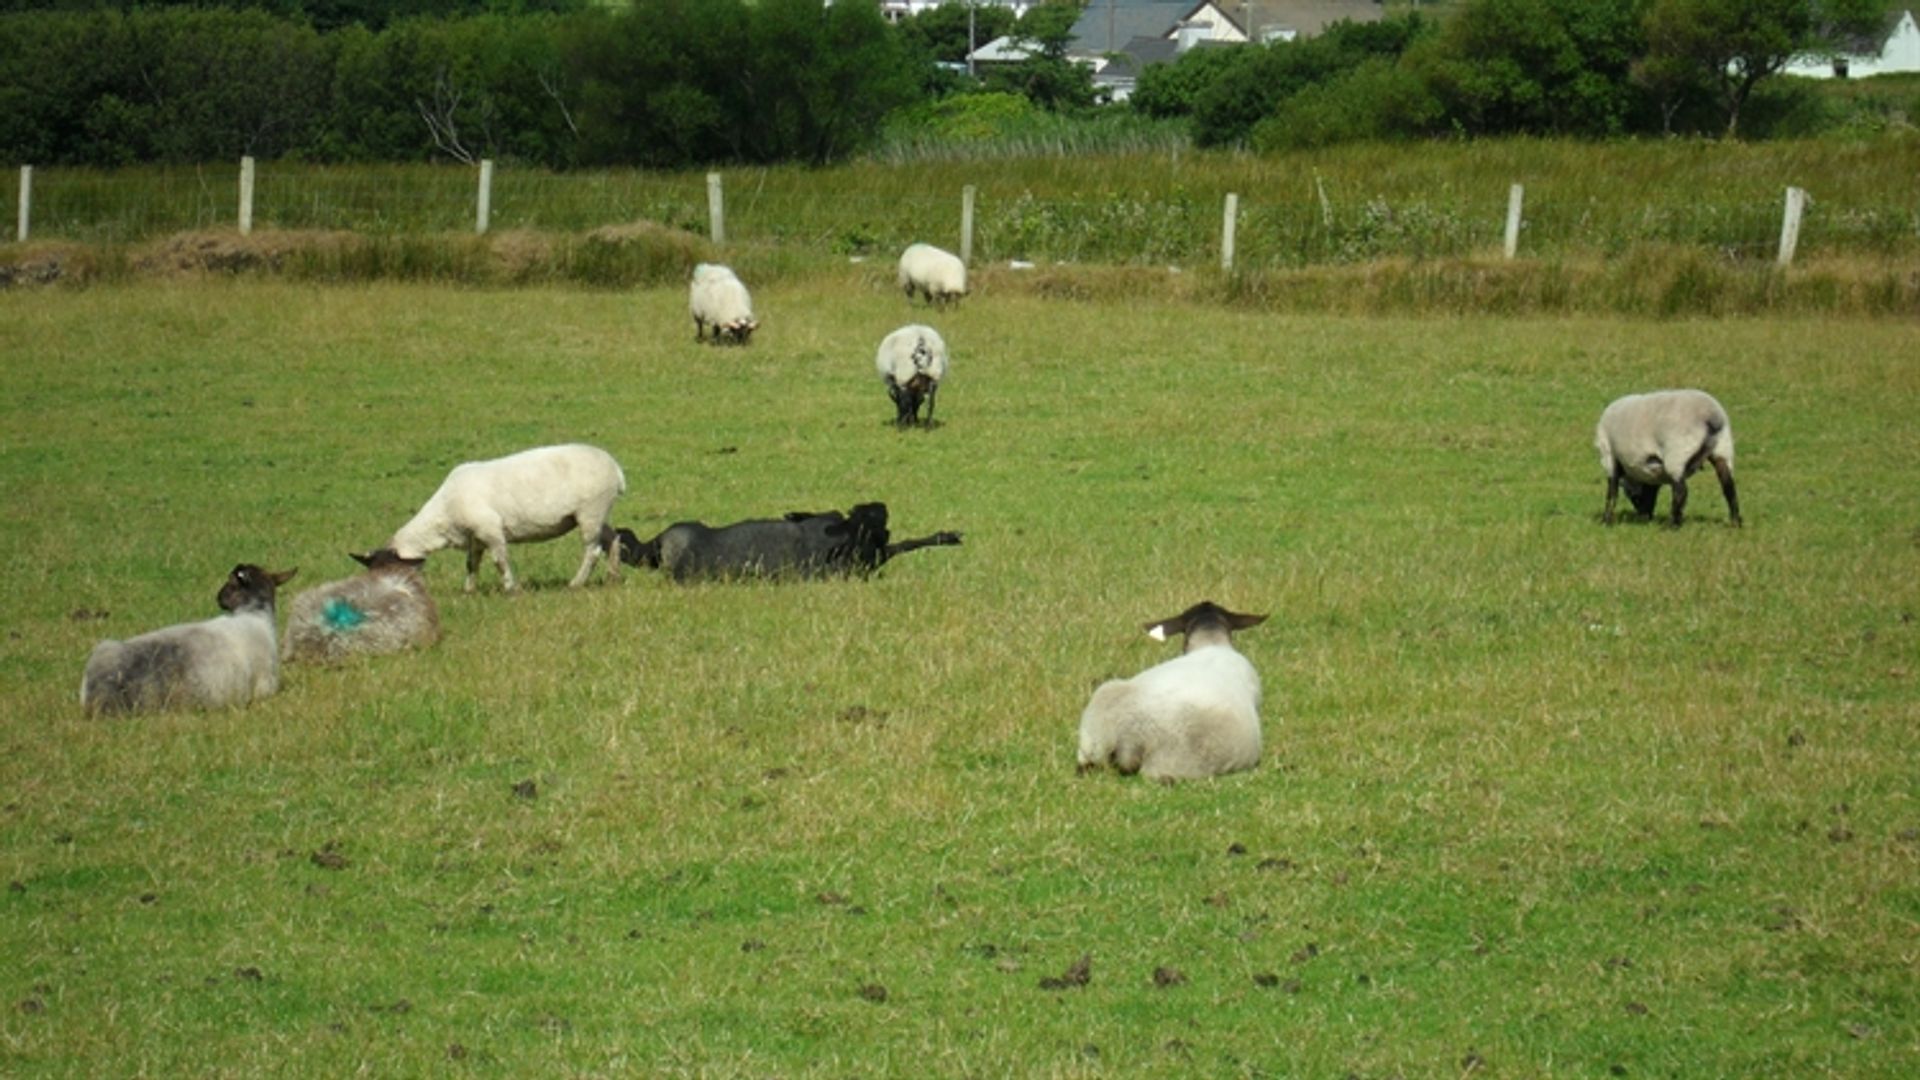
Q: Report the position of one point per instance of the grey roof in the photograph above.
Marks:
(1104, 29)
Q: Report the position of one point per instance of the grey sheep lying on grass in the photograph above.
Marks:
(1196, 715)
(385, 610)
(229, 659)
(801, 544)
(1646, 440)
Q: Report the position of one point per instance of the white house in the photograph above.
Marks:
(1895, 48)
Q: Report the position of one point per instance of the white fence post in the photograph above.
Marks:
(716, 209)
(1790, 224)
(1515, 196)
(966, 220)
(246, 194)
(26, 199)
(1226, 231)
(483, 210)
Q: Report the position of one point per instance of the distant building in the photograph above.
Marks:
(1895, 47)
(895, 10)
(1121, 38)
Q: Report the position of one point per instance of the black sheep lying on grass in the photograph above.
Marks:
(798, 545)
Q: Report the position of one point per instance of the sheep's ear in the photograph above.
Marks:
(282, 577)
(1157, 631)
(364, 560)
(1241, 622)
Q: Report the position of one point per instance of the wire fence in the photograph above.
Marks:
(1282, 221)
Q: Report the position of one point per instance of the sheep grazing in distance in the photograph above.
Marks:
(800, 545)
(938, 275)
(1646, 440)
(1194, 716)
(912, 360)
(526, 497)
(229, 659)
(718, 299)
(385, 610)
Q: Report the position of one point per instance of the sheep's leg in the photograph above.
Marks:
(473, 562)
(497, 547)
(902, 402)
(1725, 472)
(1679, 501)
(931, 390)
(587, 559)
(1613, 494)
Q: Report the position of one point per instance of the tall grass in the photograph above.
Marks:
(1148, 207)
(1540, 798)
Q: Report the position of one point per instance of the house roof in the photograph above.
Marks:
(1102, 28)
(1002, 50)
(1871, 44)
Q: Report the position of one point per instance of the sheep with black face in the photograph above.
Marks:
(1196, 715)
(229, 659)
(1649, 440)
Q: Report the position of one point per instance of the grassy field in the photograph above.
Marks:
(1540, 798)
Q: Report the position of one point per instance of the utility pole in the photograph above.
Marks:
(973, 40)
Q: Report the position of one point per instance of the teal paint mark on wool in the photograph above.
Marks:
(342, 616)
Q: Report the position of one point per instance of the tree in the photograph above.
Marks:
(1537, 66)
(943, 34)
(1732, 45)
(1047, 77)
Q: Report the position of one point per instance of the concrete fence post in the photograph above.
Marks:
(1790, 224)
(966, 223)
(1516, 195)
(716, 210)
(1227, 222)
(483, 206)
(26, 200)
(246, 194)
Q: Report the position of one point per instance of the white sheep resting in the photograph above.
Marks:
(1194, 716)
(1646, 440)
(385, 610)
(718, 300)
(912, 360)
(938, 275)
(525, 497)
(229, 659)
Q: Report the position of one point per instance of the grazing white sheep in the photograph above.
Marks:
(718, 299)
(229, 659)
(533, 495)
(1646, 440)
(1194, 716)
(938, 275)
(384, 610)
(912, 360)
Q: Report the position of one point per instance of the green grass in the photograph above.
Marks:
(1539, 797)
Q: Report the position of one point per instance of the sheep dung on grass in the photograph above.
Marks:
(718, 299)
(229, 659)
(1646, 440)
(530, 496)
(801, 544)
(938, 275)
(912, 360)
(385, 610)
(1194, 716)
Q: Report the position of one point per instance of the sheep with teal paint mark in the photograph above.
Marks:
(385, 610)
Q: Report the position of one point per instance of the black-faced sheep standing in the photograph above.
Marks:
(385, 610)
(229, 659)
(719, 301)
(1194, 716)
(797, 545)
(928, 271)
(525, 497)
(1646, 440)
(911, 361)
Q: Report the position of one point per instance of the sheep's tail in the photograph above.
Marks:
(1720, 440)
